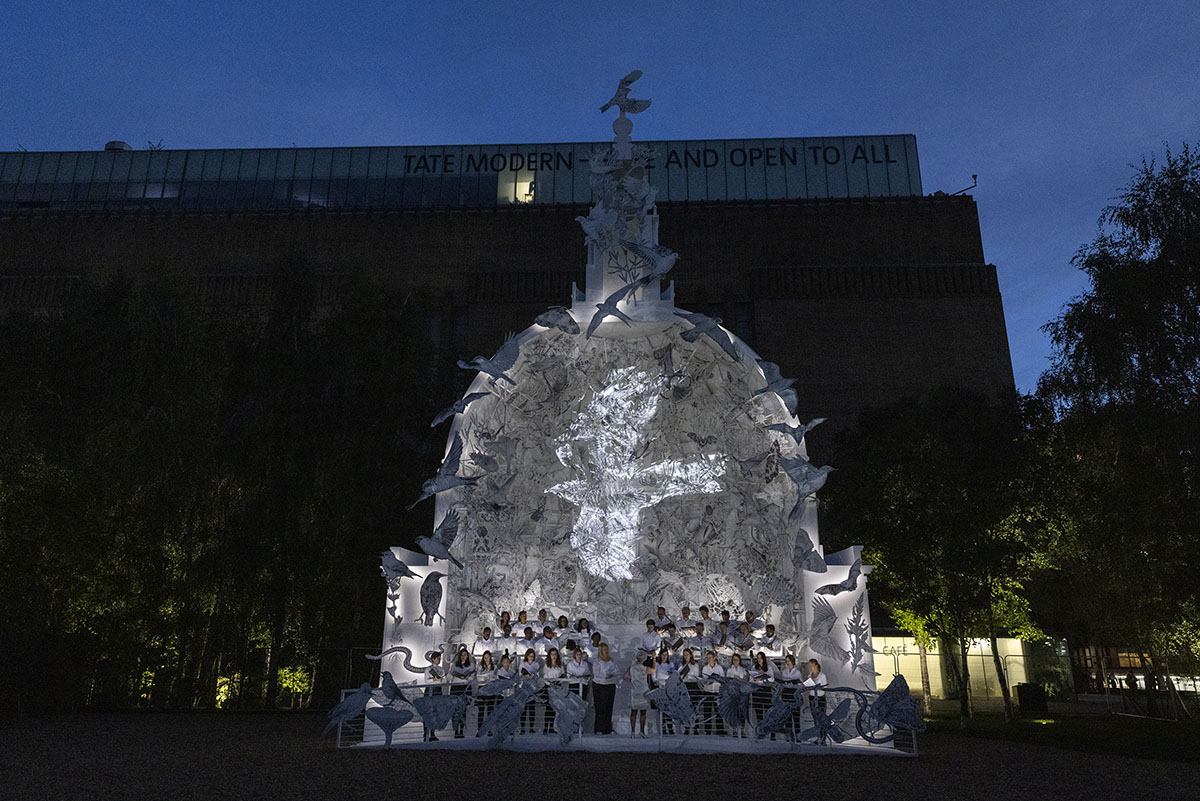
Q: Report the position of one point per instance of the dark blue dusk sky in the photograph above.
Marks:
(1048, 102)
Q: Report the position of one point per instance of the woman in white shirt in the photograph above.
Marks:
(638, 677)
(604, 689)
(529, 668)
(791, 678)
(815, 688)
(709, 690)
(583, 630)
(461, 677)
(662, 671)
(551, 673)
(736, 671)
(689, 671)
(762, 674)
(483, 674)
(592, 649)
(579, 671)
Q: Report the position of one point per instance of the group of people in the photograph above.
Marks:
(576, 655)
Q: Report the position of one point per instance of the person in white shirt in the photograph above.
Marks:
(435, 674)
(604, 689)
(816, 682)
(522, 620)
(767, 641)
(579, 670)
(562, 626)
(689, 672)
(462, 674)
(547, 641)
(543, 619)
(671, 641)
(685, 624)
(699, 641)
(649, 644)
(506, 670)
(743, 643)
(723, 644)
(736, 671)
(486, 672)
(551, 673)
(762, 674)
(505, 620)
(709, 690)
(485, 643)
(710, 625)
(815, 688)
(791, 678)
(505, 643)
(592, 649)
(662, 620)
(754, 622)
(662, 671)
(529, 668)
(638, 677)
(529, 641)
(583, 631)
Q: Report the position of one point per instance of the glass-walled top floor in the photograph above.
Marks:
(466, 175)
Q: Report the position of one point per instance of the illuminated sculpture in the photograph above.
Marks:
(623, 454)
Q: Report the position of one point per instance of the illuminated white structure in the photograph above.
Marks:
(625, 464)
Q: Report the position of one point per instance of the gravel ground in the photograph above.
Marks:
(211, 756)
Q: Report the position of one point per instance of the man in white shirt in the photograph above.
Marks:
(699, 641)
(486, 643)
(710, 689)
(662, 620)
(506, 644)
(754, 622)
(722, 644)
(710, 625)
(672, 641)
(543, 620)
(769, 642)
(650, 643)
(685, 624)
(526, 642)
(741, 641)
(546, 641)
(814, 688)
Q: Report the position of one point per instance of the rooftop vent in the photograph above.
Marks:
(117, 144)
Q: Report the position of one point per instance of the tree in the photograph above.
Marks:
(1120, 422)
(931, 489)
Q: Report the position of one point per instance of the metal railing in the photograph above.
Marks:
(858, 729)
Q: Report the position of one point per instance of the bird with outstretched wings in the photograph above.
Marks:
(609, 309)
(623, 101)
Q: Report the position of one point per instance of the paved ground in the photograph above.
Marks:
(213, 756)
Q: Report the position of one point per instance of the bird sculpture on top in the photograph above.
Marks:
(623, 101)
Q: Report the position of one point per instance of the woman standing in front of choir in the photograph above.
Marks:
(483, 674)
(435, 675)
(638, 677)
(604, 689)
(552, 672)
